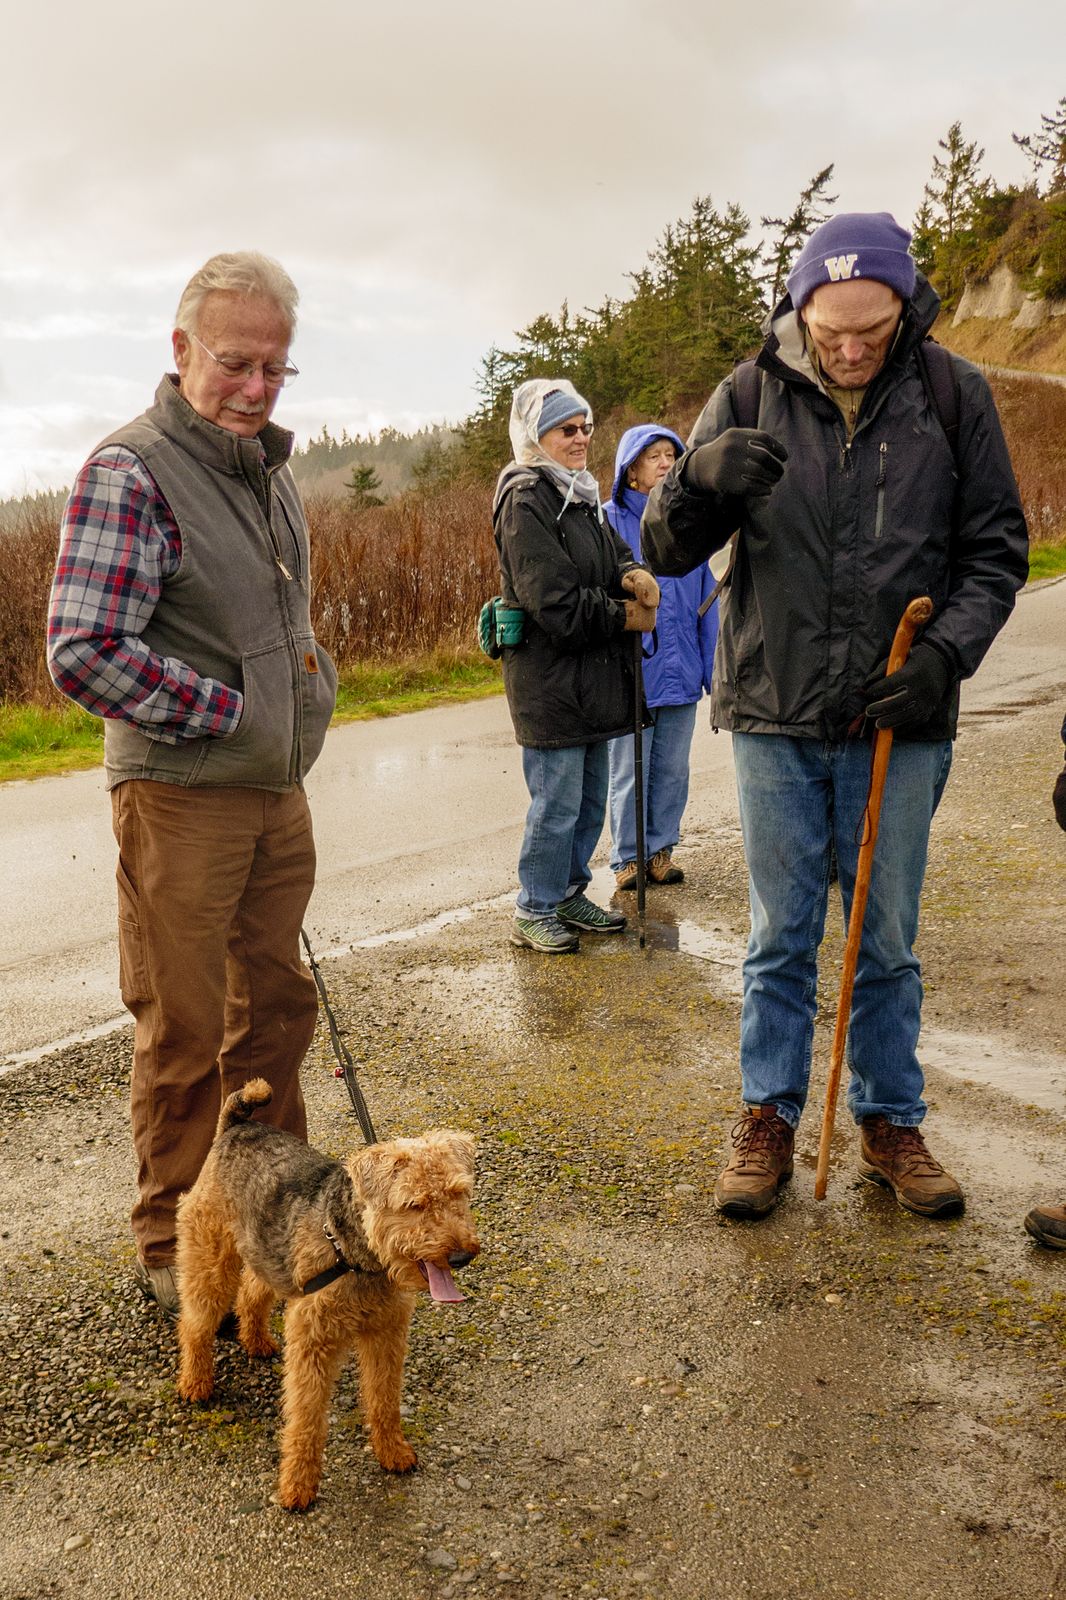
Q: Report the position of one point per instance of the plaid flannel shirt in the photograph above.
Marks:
(119, 542)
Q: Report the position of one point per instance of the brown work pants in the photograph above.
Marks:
(212, 889)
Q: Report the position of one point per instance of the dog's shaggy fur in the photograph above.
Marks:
(258, 1223)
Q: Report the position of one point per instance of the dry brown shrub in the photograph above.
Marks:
(1033, 411)
(402, 578)
(28, 545)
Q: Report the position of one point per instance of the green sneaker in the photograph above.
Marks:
(579, 912)
(545, 934)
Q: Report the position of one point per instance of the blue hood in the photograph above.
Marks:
(632, 442)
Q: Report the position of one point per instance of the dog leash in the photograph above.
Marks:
(345, 1065)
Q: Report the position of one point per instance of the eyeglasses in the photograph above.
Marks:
(276, 374)
(569, 429)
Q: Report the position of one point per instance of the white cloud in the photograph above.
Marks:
(433, 177)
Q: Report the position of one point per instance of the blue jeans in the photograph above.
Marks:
(568, 799)
(798, 797)
(666, 751)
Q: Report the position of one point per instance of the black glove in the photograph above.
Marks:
(741, 461)
(1058, 798)
(910, 695)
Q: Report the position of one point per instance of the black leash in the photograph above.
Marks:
(346, 1066)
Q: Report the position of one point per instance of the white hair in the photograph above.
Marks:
(237, 272)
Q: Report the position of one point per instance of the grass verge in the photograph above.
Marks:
(1047, 560)
(40, 741)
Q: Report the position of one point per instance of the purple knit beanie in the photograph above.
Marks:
(857, 244)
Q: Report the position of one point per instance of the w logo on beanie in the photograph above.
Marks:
(839, 267)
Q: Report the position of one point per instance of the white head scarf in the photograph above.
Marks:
(526, 407)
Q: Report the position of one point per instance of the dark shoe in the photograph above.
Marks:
(662, 870)
(626, 876)
(1047, 1225)
(579, 912)
(897, 1158)
(545, 934)
(158, 1284)
(761, 1162)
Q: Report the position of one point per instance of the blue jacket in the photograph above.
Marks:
(680, 669)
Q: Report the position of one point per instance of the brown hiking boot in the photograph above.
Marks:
(626, 876)
(662, 870)
(898, 1159)
(761, 1162)
(1047, 1225)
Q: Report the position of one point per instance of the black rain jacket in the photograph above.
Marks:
(827, 563)
(570, 681)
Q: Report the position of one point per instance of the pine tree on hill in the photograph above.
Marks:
(812, 208)
(1047, 149)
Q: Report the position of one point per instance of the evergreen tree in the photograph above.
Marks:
(1047, 149)
(362, 488)
(793, 231)
(952, 197)
(924, 237)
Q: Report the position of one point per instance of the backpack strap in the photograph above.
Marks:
(747, 388)
(940, 380)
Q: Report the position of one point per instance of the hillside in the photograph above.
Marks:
(995, 342)
(1001, 323)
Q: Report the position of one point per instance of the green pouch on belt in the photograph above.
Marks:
(499, 626)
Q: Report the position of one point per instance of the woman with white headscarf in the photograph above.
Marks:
(569, 681)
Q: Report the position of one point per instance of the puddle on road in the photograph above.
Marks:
(1034, 1078)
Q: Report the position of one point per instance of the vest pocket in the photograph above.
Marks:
(260, 749)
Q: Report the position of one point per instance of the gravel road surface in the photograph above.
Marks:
(638, 1399)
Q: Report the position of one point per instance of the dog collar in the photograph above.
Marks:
(341, 1266)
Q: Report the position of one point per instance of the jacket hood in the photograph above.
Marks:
(632, 442)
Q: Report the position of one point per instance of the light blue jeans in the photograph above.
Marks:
(666, 753)
(568, 801)
(799, 797)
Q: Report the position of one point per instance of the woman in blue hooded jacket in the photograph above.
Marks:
(675, 675)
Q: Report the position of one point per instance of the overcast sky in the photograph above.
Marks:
(434, 175)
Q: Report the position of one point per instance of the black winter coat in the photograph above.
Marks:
(570, 681)
(826, 564)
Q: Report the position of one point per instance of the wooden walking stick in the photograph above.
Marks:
(638, 777)
(917, 613)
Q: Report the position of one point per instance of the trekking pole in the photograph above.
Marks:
(638, 776)
(918, 612)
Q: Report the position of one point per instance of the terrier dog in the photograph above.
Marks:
(347, 1246)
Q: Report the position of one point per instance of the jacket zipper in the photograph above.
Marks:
(268, 479)
(882, 472)
(292, 535)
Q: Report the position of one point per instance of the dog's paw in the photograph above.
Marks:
(258, 1344)
(396, 1456)
(196, 1389)
(295, 1495)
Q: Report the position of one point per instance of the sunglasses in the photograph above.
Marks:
(569, 429)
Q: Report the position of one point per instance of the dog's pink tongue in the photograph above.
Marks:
(442, 1286)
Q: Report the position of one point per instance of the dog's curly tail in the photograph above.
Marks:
(244, 1103)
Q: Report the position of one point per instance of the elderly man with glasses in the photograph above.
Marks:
(180, 613)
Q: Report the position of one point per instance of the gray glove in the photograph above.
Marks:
(741, 461)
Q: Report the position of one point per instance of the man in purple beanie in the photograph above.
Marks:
(857, 491)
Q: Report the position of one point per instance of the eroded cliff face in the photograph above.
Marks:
(998, 323)
(1002, 296)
